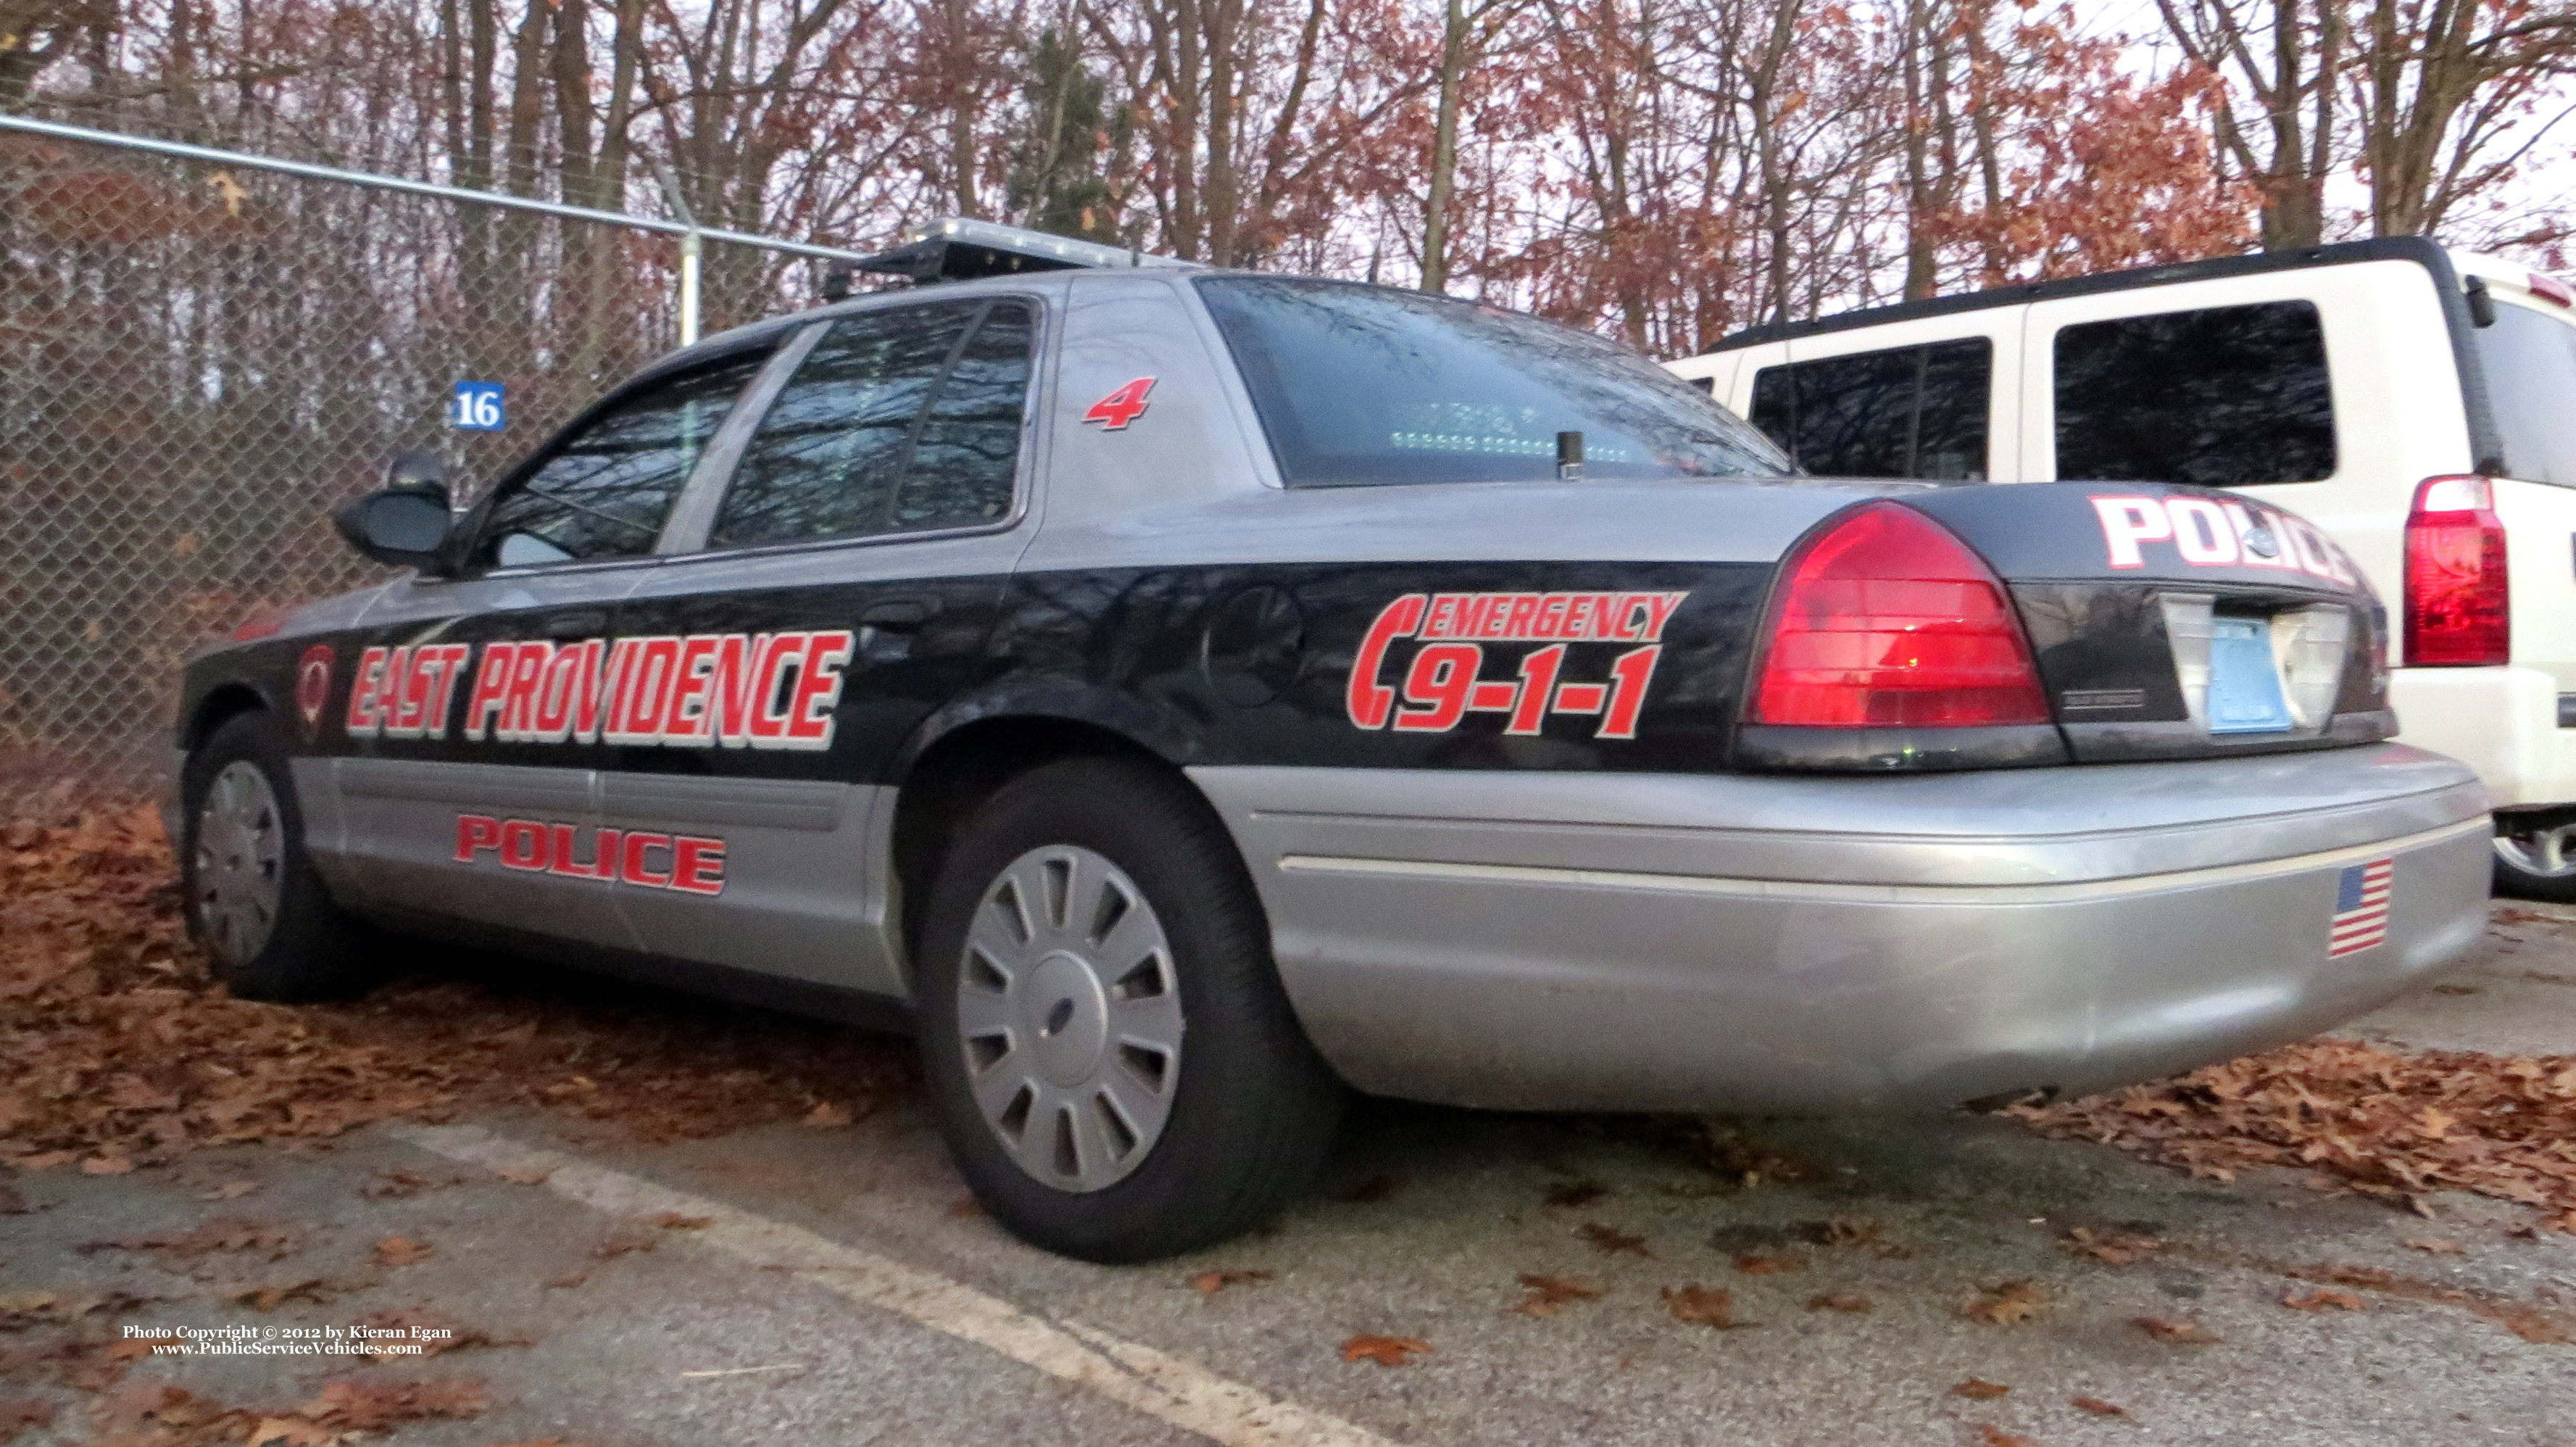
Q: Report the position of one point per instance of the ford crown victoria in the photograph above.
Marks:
(1183, 696)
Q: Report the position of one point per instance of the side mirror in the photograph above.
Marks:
(406, 522)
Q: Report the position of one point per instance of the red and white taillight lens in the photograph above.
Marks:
(1886, 620)
(2458, 613)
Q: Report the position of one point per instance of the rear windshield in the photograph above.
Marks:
(2530, 360)
(1363, 384)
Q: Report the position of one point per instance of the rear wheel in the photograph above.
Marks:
(253, 900)
(2536, 854)
(1116, 1067)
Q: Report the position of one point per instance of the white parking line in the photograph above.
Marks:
(1175, 1389)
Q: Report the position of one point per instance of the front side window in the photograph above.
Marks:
(1905, 412)
(2222, 397)
(604, 490)
(1360, 384)
(900, 420)
(2530, 359)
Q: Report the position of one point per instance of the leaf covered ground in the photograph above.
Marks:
(118, 1049)
(2389, 1123)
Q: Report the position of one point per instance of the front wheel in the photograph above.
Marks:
(1115, 1065)
(2536, 855)
(253, 900)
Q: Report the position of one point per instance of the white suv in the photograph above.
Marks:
(2418, 402)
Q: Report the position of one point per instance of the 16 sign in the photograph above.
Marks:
(477, 407)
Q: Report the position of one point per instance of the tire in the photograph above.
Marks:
(1047, 1017)
(253, 900)
(2536, 855)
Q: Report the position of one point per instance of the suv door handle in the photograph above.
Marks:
(899, 615)
(583, 624)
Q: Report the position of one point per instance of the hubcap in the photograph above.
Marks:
(2547, 850)
(1069, 1014)
(240, 864)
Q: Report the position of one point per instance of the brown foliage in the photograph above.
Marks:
(116, 1046)
(2388, 1123)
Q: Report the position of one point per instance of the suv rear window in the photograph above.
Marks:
(1909, 412)
(2530, 360)
(2222, 397)
(1361, 384)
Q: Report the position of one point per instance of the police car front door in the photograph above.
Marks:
(846, 587)
(468, 786)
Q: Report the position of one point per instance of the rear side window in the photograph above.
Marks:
(1364, 384)
(830, 450)
(967, 451)
(1909, 412)
(2530, 362)
(605, 489)
(2221, 397)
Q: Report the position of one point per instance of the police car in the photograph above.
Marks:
(1182, 696)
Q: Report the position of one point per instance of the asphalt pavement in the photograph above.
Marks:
(830, 1287)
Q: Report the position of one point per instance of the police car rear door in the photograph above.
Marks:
(841, 585)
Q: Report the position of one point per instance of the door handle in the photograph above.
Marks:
(583, 624)
(899, 615)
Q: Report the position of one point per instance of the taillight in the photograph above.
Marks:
(1886, 620)
(2457, 613)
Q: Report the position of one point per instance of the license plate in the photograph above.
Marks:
(2244, 678)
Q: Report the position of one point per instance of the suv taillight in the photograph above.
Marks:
(1886, 620)
(2457, 611)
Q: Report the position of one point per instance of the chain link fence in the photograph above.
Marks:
(199, 360)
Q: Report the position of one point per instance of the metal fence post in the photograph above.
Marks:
(692, 247)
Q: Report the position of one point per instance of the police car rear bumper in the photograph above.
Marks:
(1539, 940)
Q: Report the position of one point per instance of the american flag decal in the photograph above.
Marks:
(2361, 908)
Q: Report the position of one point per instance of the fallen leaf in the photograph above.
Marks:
(376, 1406)
(1611, 1241)
(1844, 1231)
(1990, 1435)
(2113, 1248)
(1703, 1306)
(1576, 1193)
(290, 1432)
(623, 1243)
(2321, 1298)
(526, 1175)
(1549, 1294)
(2180, 1333)
(1380, 1187)
(1977, 1389)
(18, 1414)
(403, 1251)
(2098, 1407)
(2009, 1303)
(1209, 1283)
(228, 1191)
(1754, 1263)
(827, 1116)
(1851, 1302)
(965, 1208)
(1386, 1351)
(106, 1166)
(674, 1221)
(2436, 1245)
(313, 1291)
(568, 1280)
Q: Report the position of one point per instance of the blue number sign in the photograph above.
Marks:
(477, 407)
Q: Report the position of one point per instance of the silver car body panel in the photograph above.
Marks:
(1684, 942)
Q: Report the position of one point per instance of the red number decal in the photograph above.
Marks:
(1121, 407)
(1438, 684)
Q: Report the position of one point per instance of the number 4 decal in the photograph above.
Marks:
(1121, 407)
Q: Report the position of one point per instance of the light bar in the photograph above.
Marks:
(960, 249)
